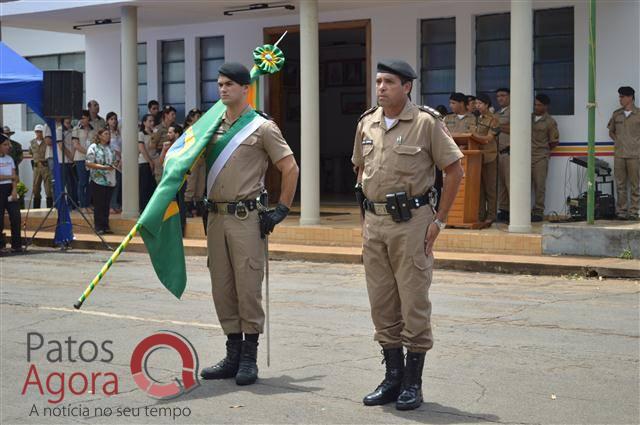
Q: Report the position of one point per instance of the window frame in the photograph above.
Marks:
(423, 93)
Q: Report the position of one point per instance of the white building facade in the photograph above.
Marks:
(457, 46)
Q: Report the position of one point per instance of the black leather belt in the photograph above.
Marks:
(240, 209)
(380, 208)
(506, 150)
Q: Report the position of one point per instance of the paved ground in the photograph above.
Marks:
(509, 349)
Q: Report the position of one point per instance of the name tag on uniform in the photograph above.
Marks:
(367, 142)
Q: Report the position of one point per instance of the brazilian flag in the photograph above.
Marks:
(159, 223)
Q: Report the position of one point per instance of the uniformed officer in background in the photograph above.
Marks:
(503, 114)
(459, 120)
(236, 251)
(484, 129)
(41, 173)
(544, 137)
(396, 149)
(624, 130)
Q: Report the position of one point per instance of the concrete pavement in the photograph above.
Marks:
(509, 349)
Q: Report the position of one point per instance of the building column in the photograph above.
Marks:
(310, 114)
(521, 104)
(129, 96)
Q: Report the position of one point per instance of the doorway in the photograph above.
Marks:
(344, 95)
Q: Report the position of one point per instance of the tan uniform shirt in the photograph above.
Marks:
(627, 132)
(37, 150)
(543, 132)
(157, 139)
(484, 126)
(403, 157)
(85, 137)
(455, 124)
(504, 117)
(242, 177)
(98, 123)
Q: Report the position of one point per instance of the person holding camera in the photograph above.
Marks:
(102, 163)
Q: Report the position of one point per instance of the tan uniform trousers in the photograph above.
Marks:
(539, 170)
(398, 275)
(503, 181)
(196, 182)
(42, 175)
(236, 264)
(627, 172)
(488, 195)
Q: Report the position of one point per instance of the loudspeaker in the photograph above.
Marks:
(62, 94)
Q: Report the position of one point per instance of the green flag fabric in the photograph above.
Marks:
(159, 224)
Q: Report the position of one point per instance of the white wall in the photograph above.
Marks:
(395, 33)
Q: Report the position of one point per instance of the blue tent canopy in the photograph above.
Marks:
(21, 82)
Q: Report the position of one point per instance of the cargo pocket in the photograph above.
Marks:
(406, 159)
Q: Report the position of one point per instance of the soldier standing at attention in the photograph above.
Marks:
(396, 149)
(544, 137)
(503, 96)
(41, 173)
(234, 227)
(624, 130)
(484, 129)
(459, 120)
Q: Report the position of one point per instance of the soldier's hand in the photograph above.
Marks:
(269, 219)
(430, 238)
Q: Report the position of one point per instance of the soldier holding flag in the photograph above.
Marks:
(235, 179)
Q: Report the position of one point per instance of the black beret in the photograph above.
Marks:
(397, 67)
(458, 97)
(3, 138)
(543, 98)
(236, 72)
(626, 91)
(482, 97)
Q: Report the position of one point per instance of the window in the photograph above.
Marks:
(493, 53)
(553, 33)
(173, 76)
(142, 79)
(66, 61)
(211, 58)
(553, 58)
(438, 55)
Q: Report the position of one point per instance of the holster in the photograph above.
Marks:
(360, 198)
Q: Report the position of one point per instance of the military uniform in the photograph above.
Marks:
(626, 159)
(459, 123)
(196, 183)
(400, 158)
(544, 132)
(236, 251)
(504, 144)
(485, 125)
(41, 172)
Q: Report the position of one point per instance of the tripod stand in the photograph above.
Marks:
(68, 200)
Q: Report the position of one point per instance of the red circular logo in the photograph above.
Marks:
(164, 340)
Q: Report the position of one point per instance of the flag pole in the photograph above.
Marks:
(106, 267)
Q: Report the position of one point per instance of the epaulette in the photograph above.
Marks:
(431, 111)
(368, 112)
(264, 115)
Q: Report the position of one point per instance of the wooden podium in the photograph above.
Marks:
(464, 212)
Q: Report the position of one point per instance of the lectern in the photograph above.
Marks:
(464, 212)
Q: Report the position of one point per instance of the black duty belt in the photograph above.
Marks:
(381, 208)
(240, 209)
(506, 150)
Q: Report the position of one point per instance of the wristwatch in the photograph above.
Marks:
(441, 225)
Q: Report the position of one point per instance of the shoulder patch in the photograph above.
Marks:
(430, 111)
(264, 115)
(368, 112)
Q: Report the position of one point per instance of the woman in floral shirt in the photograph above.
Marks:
(101, 162)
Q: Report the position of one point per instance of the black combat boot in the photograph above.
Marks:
(389, 389)
(411, 396)
(37, 201)
(49, 202)
(248, 370)
(227, 367)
